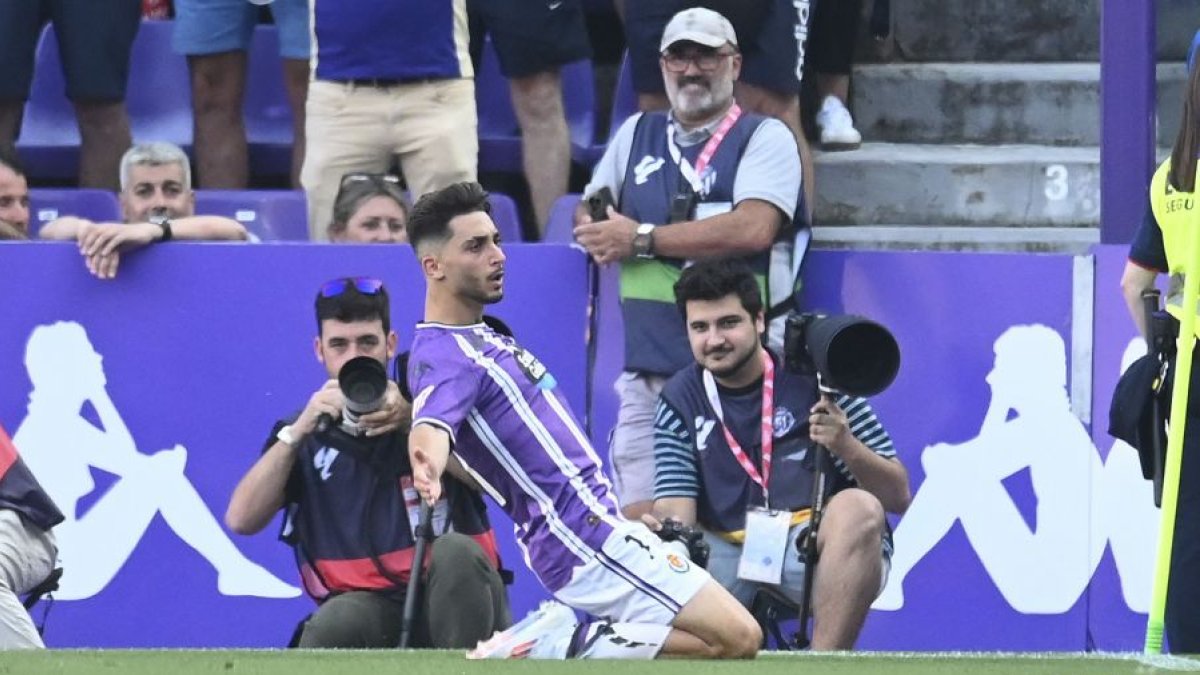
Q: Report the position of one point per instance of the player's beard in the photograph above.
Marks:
(483, 293)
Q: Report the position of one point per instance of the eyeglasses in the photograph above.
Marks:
(361, 176)
(364, 285)
(706, 61)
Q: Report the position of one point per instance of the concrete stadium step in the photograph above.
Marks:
(957, 238)
(1039, 30)
(992, 103)
(1001, 186)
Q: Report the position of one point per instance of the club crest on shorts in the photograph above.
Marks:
(678, 563)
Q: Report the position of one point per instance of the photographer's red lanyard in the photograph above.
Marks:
(768, 425)
(692, 174)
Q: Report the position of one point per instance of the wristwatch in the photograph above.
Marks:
(643, 241)
(285, 434)
(165, 223)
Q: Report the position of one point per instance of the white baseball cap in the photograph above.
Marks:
(699, 25)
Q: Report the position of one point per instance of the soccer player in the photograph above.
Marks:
(488, 411)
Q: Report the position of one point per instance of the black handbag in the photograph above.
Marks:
(1139, 410)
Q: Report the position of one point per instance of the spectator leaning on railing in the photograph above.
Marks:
(157, 205)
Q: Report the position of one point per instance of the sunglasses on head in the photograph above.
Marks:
(359, 177)
(364, 285)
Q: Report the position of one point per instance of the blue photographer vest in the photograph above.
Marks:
(727, 491)
(655, 337)
(347, 517)
(20, 491)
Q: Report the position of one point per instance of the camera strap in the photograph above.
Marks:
(693, 174)
(768, 425)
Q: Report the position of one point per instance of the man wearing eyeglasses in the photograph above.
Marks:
(351, 509)
(702, 180)
(157, 205)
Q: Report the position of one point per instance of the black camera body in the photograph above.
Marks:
(850, 354)
(693, 539)
(598, 203)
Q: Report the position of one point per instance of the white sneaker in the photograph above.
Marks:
(545, 633)
(837, 127)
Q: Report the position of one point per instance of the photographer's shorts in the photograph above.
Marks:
(631, 451)
(772, 57)
(94, 42)
(216, 26)
(723, 559)
(532, 37)
(636, 579)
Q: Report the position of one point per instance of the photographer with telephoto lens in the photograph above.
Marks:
(736, 443)
(340, 470)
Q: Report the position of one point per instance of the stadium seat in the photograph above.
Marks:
(269, 215)
(499, 132)
(158, 99)
(47, 204)
(624, 104)
(266, 110)
(504, 214)
(561, 227)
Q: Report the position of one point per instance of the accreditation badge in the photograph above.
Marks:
(765, 546)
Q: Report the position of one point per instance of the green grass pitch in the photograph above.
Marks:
(296, 662)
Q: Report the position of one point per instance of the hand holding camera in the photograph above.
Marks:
(609, 236)
(598, 203)
(394, 414)
(327, 401)
(672, 531)
(828, 426)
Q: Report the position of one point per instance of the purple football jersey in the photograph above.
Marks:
(513, 430)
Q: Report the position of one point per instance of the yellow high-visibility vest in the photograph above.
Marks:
(1174, 211)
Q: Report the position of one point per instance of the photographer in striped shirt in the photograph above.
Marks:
(734, 440)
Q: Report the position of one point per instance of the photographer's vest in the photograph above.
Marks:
(20, 491)
(655, 338)
(1175, 213)
(349, 521)
(726, 488)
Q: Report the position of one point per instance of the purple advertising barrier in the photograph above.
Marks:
(1121, 587)
(994, 551)
(196, 350)
(1000, 544)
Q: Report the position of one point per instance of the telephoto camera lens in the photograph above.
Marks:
(363, 381)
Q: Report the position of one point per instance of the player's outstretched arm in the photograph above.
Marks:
(428, 451)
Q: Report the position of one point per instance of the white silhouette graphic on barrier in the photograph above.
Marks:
(59, 446)
(1029, 424)
(1123, 512)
